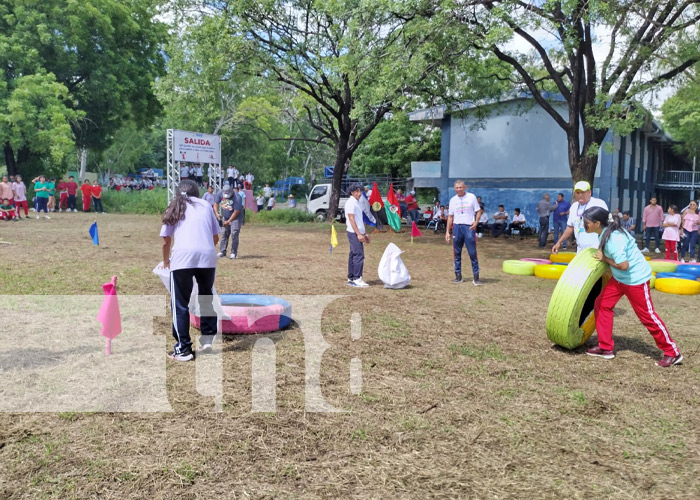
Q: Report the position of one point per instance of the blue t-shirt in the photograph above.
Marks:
(563, 206)
(622, 247)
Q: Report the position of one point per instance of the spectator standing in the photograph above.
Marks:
(652, 217)
(690, 223)
(271, 203)
(464, 212)
(412, 207)
(500, 221)
(209, 196)
(518, 223)
(86, 191)
(52, 195)
(249, 179)
(355, 229)
(230, 175)
(62, 195)
(184, 172)
(72, 189)
(96, 192)
(291, 202)
(561, 214)
(671, 236)
(7, 191)
(20, 191)
(544, 208)
(267, 191)
(191, 222)
(41, 188)
(574, 224)
(232, 217)
(401, 198)
(260, 202)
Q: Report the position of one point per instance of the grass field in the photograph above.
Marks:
(462, 394)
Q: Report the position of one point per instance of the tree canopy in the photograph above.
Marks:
(89, 64)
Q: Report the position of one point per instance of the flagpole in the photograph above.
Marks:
(98, 233)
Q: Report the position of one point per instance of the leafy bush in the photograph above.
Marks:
(135, 202)
(279, 216)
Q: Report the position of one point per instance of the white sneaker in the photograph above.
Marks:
(682, 260)
(645, 250)
(60, 210)
(361, 283)
(46, 217)
(221, 254)
(37, 217)
(479, 235)
(692, 260)
(657, 250)
(233, 256)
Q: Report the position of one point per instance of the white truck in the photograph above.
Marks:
(317, 202)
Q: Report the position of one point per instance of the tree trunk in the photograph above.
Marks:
(339, 170)
(83, 164)
(10, 160)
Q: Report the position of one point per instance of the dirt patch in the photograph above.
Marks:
(462, 393)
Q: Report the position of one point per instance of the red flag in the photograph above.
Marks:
(375, 199)
(414, 230)
(391, 197)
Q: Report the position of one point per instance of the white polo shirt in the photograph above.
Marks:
(463, 209)
(353, 206)
(575, 220)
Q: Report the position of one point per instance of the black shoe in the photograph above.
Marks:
(477, 281)
(458, 278)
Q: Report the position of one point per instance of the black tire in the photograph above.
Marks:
(321, 216)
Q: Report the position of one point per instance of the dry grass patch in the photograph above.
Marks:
(462, 394)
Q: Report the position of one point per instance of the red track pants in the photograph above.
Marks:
(671, 249)
(640, 298)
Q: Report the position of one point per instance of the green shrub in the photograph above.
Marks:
(279, 216)
(135, 202)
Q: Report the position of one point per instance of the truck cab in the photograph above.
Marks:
(317, 201)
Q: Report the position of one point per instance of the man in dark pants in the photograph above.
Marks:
(463, 217)
(544, 208)
(355, 228)
(230, 209)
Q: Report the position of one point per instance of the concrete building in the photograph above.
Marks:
(515, 152)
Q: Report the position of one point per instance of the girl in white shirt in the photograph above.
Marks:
(671, 236)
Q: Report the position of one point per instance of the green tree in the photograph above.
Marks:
(649, 42)
(351, 63)
(681, 115)
(395, 143)
(106, 53)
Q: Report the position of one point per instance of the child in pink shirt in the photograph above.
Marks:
(672, 225)
(690, 223)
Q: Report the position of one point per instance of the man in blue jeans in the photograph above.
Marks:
(462, 220)
(544, 208)
(561, 214)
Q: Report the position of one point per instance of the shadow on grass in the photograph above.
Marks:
(641, 345)
(244, 342)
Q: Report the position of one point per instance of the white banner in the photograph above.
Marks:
(196, 147)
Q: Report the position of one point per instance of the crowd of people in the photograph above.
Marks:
(50, 195)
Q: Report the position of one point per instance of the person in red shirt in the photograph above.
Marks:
(412, 207)
(63, 194)
(97, 197)
(86, 191)
(72, 191)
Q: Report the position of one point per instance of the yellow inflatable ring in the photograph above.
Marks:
(519, 267)
(549, 271)
(652, 281)
(562, 257)
(663, 266)
(677, 286)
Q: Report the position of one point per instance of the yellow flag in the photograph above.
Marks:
(334, 238)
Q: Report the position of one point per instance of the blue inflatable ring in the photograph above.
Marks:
(251, 313)
(679, 275)
(692, 268)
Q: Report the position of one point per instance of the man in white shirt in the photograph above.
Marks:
(230, 171)
(249, 178)
(574, 225)
(518, 223)
(355, 229)
(184, 172)
(464, 212)
(267, 191)
(500, 222)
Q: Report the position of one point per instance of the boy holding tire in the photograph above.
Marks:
(631, 274)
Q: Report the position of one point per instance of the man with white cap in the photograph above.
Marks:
(574, 225)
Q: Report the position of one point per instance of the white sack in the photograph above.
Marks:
(164, 275)
(392, 270)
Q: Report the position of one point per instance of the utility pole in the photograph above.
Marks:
(692, 180)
